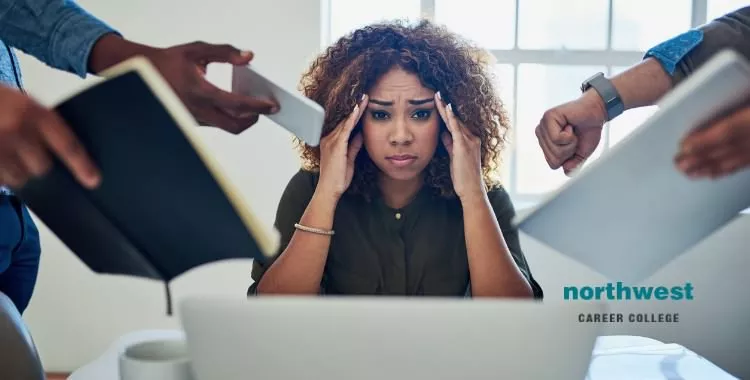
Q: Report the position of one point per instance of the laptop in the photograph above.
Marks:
(368, 338)
(631, 212)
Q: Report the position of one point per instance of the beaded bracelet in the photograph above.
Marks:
(313, 230)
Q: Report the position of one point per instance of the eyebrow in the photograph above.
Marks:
(415, 102)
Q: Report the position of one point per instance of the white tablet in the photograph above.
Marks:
(297, 113)
(631, 212)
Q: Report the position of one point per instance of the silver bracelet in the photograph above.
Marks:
(313, 230)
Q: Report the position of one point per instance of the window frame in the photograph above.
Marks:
(516, 56)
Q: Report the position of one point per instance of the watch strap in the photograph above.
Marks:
(607, 91)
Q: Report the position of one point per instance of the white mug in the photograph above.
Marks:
(156, 360)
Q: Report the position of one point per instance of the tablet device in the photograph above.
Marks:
(631, 212)
(297, 113)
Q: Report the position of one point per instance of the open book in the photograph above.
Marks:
(163, 206)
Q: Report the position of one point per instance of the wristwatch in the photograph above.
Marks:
(607, 91)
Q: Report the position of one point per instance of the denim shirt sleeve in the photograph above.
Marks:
(57, 32)
(669, 53)
(682, 55)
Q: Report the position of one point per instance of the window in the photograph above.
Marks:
(345, 15)
(716, 8)
(544, 50)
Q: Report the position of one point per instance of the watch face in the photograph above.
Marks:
(587, 83)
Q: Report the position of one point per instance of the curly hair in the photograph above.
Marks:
(442, 60)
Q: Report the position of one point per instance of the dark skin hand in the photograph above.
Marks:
(720, 149)
(30, 134)
(184, 67)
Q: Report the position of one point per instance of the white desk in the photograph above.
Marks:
(614, 357)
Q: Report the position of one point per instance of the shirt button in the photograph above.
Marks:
(398, 216)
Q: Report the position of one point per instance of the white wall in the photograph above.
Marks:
(75, 314)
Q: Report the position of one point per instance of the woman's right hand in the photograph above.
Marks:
(337, 154)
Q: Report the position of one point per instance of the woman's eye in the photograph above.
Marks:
(422, 114)
(379, 115)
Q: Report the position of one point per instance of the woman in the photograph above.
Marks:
(398, 198)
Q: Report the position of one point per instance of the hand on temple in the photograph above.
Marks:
(338, 150)
(465, 152)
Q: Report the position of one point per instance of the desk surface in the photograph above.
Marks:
(614, 357)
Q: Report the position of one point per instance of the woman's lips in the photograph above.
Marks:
(401, 159)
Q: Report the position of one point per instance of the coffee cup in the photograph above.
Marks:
(156, 360)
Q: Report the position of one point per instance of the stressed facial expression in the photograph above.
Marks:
(401, 125)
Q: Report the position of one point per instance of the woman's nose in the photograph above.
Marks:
(401, 133)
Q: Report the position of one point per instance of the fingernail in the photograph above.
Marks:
(362, 98)
(440, 97)
(687, 164)
(246, 53)
(356, 108)
(274, 109)
(94, 180)
(450, 107)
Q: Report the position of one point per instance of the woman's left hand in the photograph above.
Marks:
(465, 151)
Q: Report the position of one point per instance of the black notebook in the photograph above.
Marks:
(163, 207)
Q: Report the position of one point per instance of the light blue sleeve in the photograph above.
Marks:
(57, 32)
(681, 55)
(669, 53)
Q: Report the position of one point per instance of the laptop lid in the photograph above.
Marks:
(387, 338)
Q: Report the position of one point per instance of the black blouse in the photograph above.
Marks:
(419, 250)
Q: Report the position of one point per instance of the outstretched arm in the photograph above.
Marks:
(65, 36)
(57, 32)
(684, 54)
(670, 62)
(570, 132)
